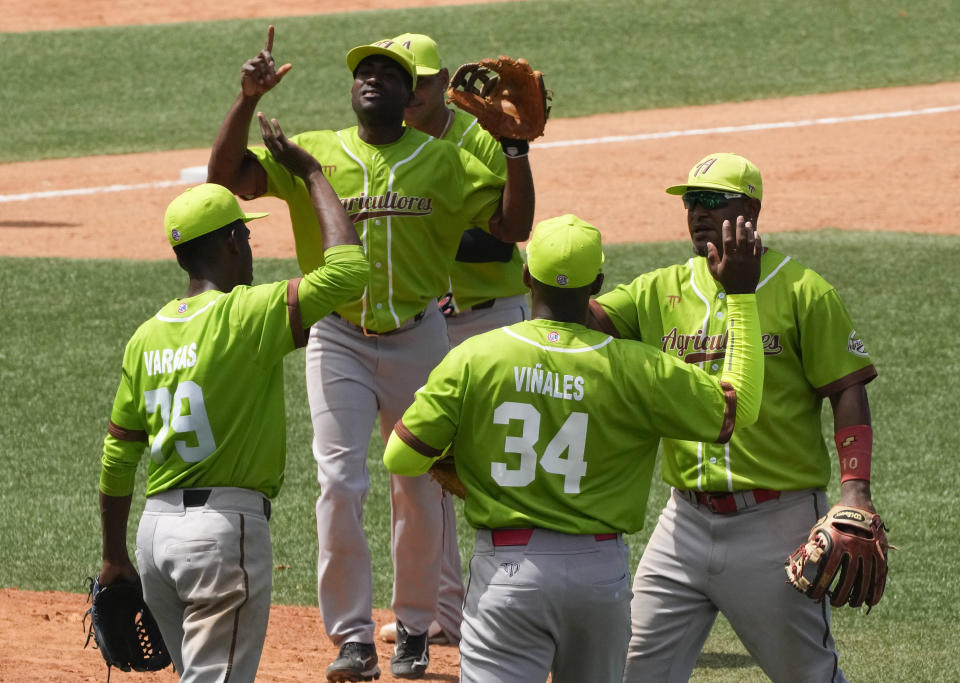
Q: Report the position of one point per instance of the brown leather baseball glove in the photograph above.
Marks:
(847, 549)
(444, 472)
(506, 95)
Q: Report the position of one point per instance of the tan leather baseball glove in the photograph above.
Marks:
(444, 472)
(506, 95)
(846, 549)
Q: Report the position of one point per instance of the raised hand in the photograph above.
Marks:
(738, 268)
(259, 75)
(298, 160)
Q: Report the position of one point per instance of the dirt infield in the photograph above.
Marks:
(42, 636)
(854, 172)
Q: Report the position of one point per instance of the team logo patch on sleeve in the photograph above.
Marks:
(553, 337)
(182, 308)
(855, 345)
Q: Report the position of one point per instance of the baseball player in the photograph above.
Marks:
(486, 291)
(738, 510)
(554, 429)
(410, 197)
(202, 389)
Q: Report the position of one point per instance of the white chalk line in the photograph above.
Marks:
(197, 174)
(802, 123)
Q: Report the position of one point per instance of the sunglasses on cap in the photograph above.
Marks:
(708, 199)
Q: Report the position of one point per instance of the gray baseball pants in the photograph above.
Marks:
(505, 311)
(351, 379)
(207, 572)
(698, 563)
(560, 605)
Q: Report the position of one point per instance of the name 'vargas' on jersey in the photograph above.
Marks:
(159, 361)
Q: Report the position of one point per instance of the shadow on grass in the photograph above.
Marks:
(724, 660)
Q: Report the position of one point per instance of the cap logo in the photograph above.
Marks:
(704, 166)
(384, 43)
(182, 308)
(562, 280)
(175, 234)
(553, 337)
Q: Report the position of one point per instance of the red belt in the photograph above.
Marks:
(728, 503)
(522, 536)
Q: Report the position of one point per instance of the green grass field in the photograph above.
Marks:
(115, 90)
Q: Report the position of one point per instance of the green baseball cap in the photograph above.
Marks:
(565, 252)
(425, 54)
(200, 210)
(726, 172)
(388, 48)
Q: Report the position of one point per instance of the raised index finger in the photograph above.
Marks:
(269, 46)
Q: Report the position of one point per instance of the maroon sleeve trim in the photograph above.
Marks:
(121, 434)
(293, 311)
(416, 444)
(729, 412)
(861, 376)
(597, 319)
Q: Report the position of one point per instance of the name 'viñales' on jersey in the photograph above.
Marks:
(571, 419)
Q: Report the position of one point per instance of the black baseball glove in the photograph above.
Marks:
(123, 628)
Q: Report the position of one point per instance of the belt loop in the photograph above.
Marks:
(483, 304)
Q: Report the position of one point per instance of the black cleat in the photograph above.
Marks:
(357, 662)
(411, 655)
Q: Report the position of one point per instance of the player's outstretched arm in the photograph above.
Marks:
(738, 270)
(513, 221)
(116, 566)
(336, 227)
(851, 414)
(229, 163)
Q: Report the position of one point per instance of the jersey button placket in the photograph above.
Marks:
(377, 284)
(717, 326)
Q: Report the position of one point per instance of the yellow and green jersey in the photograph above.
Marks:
(411, 200)
(202, 383)
(475, 281)
(811, 350)
(556, 426)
